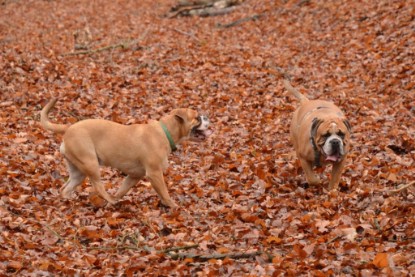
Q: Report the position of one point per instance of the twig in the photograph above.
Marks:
(53, 231)
(123, 45)
(122, 247)
(239, 21)
(184, 10)
(376, 224)
(185, 33)
(177, 248)
(144, 247)
(333, 239)
(403, 187)
(147, 223)
(203, 8)
(202, 257)
(214, 11)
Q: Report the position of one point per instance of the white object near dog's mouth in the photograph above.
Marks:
(201, 131)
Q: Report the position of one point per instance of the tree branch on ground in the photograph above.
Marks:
(202, 257)
(123, 45)
(203, 7)
(240, 21)
(403, 187)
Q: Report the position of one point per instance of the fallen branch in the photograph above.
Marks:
(185, 33)
(403, 187)
(143, 247)
(239, 21)
(216, 256)
(203, 8)
(106, 248)
(51, 230)
(213, 11)
(123, 45)
(334, 239)
(177, 248)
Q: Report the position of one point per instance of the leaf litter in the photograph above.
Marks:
(244, 206)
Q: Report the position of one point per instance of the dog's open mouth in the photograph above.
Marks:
(333, 157)
(201, 131)
(200, 135)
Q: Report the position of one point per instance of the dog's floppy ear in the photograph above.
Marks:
(348, 126)
(180, 115)
(314, 126)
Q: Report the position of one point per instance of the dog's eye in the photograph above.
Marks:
(341, 134)
(326, 135)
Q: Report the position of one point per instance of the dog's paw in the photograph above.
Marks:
(170, 204)
(65, 193)
(96, 200)
(313, 180)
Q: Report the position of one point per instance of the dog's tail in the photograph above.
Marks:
(294, 92)
(44, 120)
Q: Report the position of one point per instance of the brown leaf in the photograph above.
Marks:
(381, 260)
(50, 240)
(97, 200)
(15, 265)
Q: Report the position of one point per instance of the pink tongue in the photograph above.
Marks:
(332, 158)
(207, 132)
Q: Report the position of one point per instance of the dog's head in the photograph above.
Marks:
(331, 137)
(193, 125)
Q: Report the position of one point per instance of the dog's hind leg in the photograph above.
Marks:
(80, 151)
(92, 171)
(76, 177)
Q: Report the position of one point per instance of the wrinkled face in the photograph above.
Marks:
(195, 125)
(331, 137)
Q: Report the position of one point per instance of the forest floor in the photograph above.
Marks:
(245, 207)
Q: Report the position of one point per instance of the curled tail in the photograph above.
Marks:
(44, 120)
(294, 92)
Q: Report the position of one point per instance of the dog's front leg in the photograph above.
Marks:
(311, 177)
(336, 173)
(157, 182)
(128, 183)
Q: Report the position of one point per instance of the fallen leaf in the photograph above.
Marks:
(381, 260)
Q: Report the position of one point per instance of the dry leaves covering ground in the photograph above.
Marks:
(246, 209)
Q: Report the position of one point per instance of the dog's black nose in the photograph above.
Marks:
(335, 143)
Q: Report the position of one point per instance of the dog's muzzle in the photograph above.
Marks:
(333, 148)
(201, 131)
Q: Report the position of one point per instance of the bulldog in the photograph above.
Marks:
(138, 150)
(321, 135)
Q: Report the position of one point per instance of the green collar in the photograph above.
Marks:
(168, 135)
